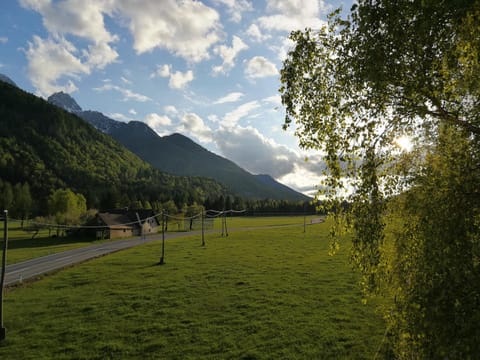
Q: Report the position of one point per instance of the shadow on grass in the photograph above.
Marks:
(46, 241)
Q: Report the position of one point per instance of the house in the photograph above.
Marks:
(120, 223)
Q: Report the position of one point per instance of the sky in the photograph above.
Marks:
(205, 69)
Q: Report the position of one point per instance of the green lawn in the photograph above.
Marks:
(246, 221)
(265, 294)
(22, 247)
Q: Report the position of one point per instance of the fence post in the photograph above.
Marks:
(3, 331)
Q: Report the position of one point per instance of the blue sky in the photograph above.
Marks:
(206, 69)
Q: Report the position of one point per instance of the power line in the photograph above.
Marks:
(155, 216)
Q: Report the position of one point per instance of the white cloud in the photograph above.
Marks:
(302, 180)
(228, 55)
(251, 150)
(274, 99)
(100, 55)
(156, 121)
(83, 18)
(256, 34)
(232, 97)
(3, 39)
(162, 71)
(288, 15)
(258, 67)
(231, 118)
(186, 28)
(214, 118)
(177, 79)
(259, 154)
(132, 112)
(80, 18)
(125, 80)
(128, 94)
(282, 47)
(193, 125)
(236, 8)
(170, 109)
(49, 60)
(119, 117)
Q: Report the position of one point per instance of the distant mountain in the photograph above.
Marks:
(65, 101)
(49, 148)
(101, 122)
(270, 181)
(6, 79)
(179, 155)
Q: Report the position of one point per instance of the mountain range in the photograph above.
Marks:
(177, 154)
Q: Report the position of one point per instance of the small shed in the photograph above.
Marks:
(120, 223)
(113, 226)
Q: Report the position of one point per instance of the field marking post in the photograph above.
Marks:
(3, 331)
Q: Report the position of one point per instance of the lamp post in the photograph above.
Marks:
(3, 331)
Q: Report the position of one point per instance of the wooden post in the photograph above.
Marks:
(162, 258)
(203, 229)
(225, 219)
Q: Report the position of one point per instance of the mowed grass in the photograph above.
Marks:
(235, 222)
(22, 247)
(263, 294)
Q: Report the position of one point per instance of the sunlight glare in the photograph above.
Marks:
(404, 143)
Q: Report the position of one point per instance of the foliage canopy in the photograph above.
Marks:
(392, 69)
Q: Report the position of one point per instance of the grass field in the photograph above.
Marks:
(22, 247)
(263, 294)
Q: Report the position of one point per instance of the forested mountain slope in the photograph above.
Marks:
(49, 148)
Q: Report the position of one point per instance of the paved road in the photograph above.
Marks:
(29, 269)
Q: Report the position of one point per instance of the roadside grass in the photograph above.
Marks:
(22, 247)
(264, 294)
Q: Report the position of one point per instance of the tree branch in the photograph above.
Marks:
(445, 115)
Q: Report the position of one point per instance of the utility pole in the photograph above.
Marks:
(304, 219)
(225, 221)
(141, 226)
(203, 229)
(162, 258)
(3, 331)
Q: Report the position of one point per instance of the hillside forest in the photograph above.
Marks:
(45, 150)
